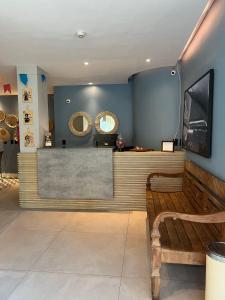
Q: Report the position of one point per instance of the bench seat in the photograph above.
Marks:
(182, 223)
(178, 234)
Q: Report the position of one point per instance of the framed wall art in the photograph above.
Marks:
(27, 95)
(27, 117)
(198, 113)
(29, 138)
(167, 146)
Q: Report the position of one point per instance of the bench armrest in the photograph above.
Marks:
(168, 175)
(218, 217)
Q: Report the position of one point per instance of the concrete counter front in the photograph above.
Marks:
(130, 171)
(75, 173)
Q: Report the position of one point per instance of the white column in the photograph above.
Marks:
(32, 129)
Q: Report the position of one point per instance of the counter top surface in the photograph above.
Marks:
(73, 148)
(117, 153)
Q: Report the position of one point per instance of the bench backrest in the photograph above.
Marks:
(199, 180)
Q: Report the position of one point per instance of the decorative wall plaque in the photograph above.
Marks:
(27, 95)
(27, 117)
(29, 138)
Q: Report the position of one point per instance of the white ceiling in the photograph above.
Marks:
(121, 35)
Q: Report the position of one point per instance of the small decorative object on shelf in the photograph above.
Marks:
(16, 134)
(141, 149)
(48, 139)
(167, 146)
(120, 143)
(63, 143)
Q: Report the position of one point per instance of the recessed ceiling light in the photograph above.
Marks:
(148, 60)
(86, 63)
(90, 83)
(81, 34)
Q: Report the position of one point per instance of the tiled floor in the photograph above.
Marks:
(82, 256)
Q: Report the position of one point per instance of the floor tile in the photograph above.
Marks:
(8, 282)
(53, 286)
(135, 289)
(177, 290)
(9, 198)
(137, 258)
(42, 220)
(137, 223)
(20, 248)
(84, 253)
(83, 243)
(98, 222)
(6, 217)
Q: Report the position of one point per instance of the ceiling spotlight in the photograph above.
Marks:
(90, 83)
(81, 34)
(148, 60)
(86, 63)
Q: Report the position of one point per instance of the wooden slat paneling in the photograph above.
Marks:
(130, 173)
(210, 181)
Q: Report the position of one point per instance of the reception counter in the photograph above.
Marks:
(130, 170)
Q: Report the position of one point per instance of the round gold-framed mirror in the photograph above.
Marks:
(107, 122)
(2, 116)
(11, 121)
(80, 123)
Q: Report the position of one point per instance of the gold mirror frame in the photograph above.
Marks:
(80, 114)
(11, 121)
(2, 116)
(102, 114)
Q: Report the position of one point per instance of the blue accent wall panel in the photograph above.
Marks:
(155, 107)
(93, 100)
(208, 51)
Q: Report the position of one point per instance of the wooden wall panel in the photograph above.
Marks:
(130, 173)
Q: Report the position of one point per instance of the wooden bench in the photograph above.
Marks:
(182, 223)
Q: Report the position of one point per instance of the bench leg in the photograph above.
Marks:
(155, 274)
(155, 287)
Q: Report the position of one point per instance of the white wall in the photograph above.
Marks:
(39, 106)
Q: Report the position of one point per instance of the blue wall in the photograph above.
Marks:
(9, 104)
(93, 100)
(208, 51)
(155, 107)
(51, 107)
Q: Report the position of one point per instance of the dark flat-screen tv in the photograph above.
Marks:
(197, 119)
